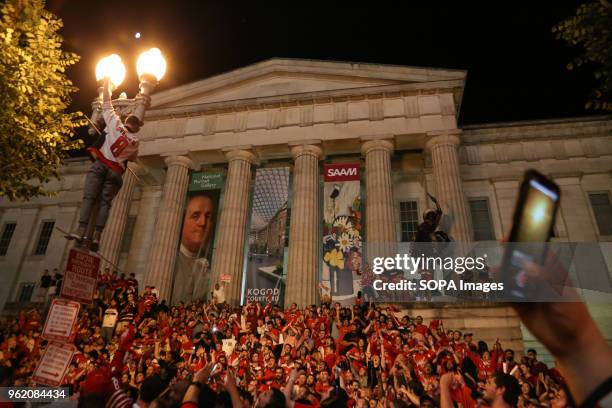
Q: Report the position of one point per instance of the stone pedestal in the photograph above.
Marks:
(304, 238)
(228, 258)
(380, 214)
(110, 243)
(449, 190)
(163, 250)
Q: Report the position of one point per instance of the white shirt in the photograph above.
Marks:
(110, 317)
(119, 144)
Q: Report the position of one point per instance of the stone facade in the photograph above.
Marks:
(401, 122)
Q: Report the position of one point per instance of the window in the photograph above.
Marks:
(409, 220)
(43, 239)
(603, 212)
(5, 239)
(481, 220)
(126, 241)
(25, 294)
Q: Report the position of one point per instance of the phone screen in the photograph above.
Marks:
(534, 218)
(538, 213)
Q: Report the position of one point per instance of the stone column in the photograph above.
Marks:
(112, 236)
(304, 240)
(228, 258)
(144, 229)
(449, 189)
(575, 208)
(380, 213)
(168, 224)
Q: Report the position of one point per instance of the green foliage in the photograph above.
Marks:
(35, 132)
(591, 31)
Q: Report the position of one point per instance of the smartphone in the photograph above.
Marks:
(532, 227)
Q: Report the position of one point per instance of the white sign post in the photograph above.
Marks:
(60, 322)
(53, 365)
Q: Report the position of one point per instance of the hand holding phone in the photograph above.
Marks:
(534, 218)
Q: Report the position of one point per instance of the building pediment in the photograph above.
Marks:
(290, 77)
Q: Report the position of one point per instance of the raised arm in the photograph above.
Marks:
(106, 91)
(193, 390)
(108, 112)
(232, 389)
(433, 199)
(569, 333)
(287, 389)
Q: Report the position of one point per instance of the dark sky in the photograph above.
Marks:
(516, 69)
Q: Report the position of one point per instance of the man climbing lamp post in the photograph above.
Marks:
(119, 145)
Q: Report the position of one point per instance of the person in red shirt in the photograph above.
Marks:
(323, 382)
(421, 358)
(486, 364)
(420, 327)
(357, 355)
(429, 379)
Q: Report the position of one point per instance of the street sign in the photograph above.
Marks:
(60, 320)
(53, 365)
(81, 276)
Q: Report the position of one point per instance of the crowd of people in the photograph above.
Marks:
(132, 347)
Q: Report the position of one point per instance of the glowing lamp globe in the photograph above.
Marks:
(111, 67)
(151, 64)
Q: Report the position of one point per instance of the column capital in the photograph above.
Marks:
(440, 139)
(240, 154)
(182, 161)
(378, 144)
(307, 149)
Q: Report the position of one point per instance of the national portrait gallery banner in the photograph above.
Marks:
(194, 255)
(265, 266)
(342, 239)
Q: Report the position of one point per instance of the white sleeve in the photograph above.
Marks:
(112, 120)
(109, 114)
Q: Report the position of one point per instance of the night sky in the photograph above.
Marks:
(516, 68)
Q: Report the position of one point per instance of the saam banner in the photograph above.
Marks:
(342, 239)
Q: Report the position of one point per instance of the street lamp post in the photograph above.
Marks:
(151, 67)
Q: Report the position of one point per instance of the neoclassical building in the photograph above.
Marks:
(399, 123)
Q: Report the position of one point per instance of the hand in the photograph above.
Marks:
(554, 324)
(447, 381)
(293, 375)
(230, 382)
(107, 84)
(203, 374)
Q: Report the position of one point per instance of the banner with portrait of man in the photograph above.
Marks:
(194, 255)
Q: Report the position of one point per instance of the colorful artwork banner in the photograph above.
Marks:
(342, 233)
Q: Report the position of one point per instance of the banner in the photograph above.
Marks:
(192, 266)
(264, 272)
(342, 264)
